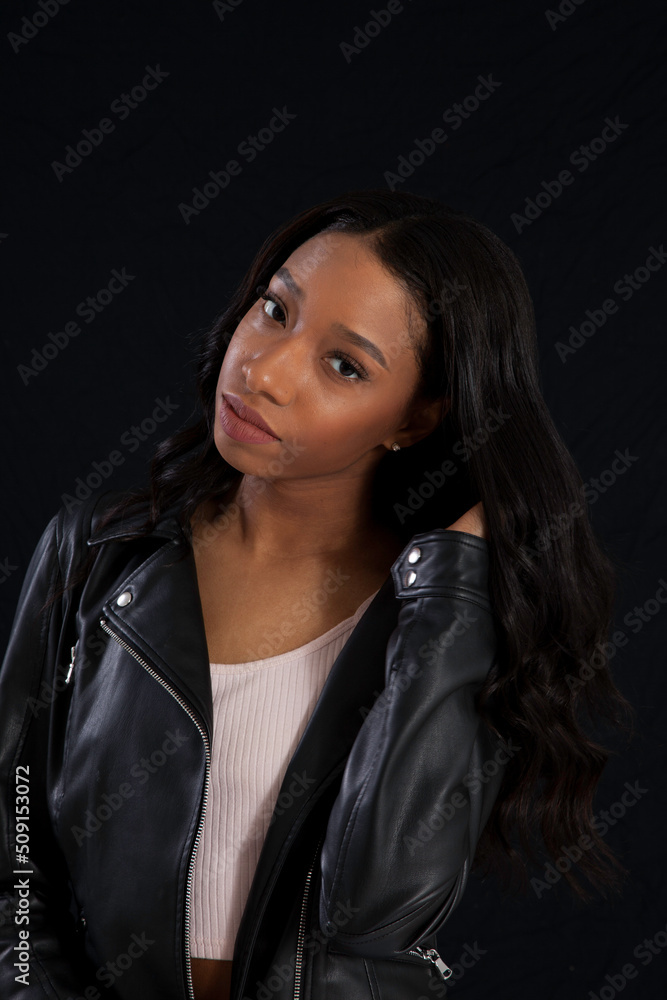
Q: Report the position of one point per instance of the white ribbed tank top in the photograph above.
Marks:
(260, 710)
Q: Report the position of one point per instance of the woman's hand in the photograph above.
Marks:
(473, 521)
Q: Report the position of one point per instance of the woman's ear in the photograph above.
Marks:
(425, 417)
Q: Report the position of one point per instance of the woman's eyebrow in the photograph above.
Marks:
(356, 338)
(363, 343)
(287, 278)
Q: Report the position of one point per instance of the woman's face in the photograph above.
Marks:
(327, 361)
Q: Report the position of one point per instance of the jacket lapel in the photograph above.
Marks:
(164, 623)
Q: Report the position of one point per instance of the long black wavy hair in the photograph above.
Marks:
(551, 583)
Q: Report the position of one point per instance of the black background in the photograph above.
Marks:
(558, 77)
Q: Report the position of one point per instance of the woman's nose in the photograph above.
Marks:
(269, 372)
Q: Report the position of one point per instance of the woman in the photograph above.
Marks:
(272, 710)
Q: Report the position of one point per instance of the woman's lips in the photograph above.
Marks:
(241, 429)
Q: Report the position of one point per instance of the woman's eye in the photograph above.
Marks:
(347, 369)
(269, 303)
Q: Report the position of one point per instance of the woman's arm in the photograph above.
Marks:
(424, 771)
(34, 918)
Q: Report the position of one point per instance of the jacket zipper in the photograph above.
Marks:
(184, 705)
(431, 955)
(298, 965)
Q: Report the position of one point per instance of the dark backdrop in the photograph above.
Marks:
(359, 90)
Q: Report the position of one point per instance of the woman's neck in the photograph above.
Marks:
(312, 519)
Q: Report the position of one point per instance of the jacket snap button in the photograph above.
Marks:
(414, 554)
(410, 578)
(124, 599)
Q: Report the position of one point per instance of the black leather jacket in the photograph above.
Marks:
(105, 722)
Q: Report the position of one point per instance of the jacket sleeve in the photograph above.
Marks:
(35, 922)
(424, 771)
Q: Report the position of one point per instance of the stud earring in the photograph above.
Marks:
(395, 446)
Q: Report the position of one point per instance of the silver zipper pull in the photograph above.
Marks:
(71, 665)
(431, 955)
